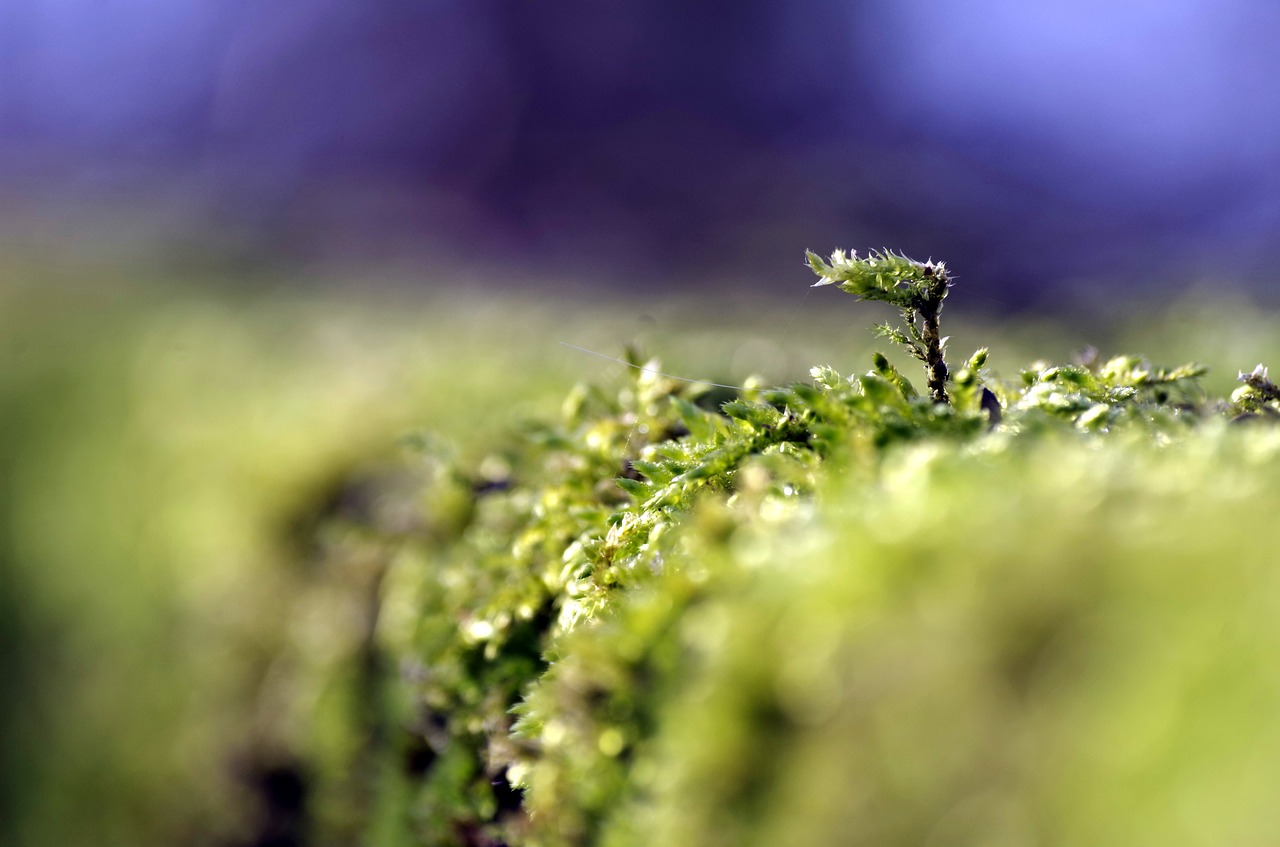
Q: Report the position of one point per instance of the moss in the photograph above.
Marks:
(846, 610)
(840, 610)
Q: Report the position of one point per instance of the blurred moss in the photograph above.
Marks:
(1055, 644)
(210, 609)
(165, 458)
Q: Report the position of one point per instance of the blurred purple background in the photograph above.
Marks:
(661, 143)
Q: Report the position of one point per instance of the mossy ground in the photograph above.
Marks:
(226, 568)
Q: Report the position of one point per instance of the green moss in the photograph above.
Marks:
(849, 610)
(1060, 642)
(840, 610)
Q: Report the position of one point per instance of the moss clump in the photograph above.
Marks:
(845, 610)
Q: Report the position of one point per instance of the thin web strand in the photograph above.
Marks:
(786, 332)
(653, 370)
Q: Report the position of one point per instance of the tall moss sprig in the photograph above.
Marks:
(916, 288)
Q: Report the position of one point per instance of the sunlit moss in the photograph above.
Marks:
(796, 611)
(838, 611)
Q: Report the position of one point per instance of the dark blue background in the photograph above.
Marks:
(663, 143)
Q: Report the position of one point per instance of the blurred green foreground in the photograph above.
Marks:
(1063, 643)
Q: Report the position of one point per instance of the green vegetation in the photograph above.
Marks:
(1012, 611)
(916, 288)
(671, 619)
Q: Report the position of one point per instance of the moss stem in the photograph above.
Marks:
(935, 362)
